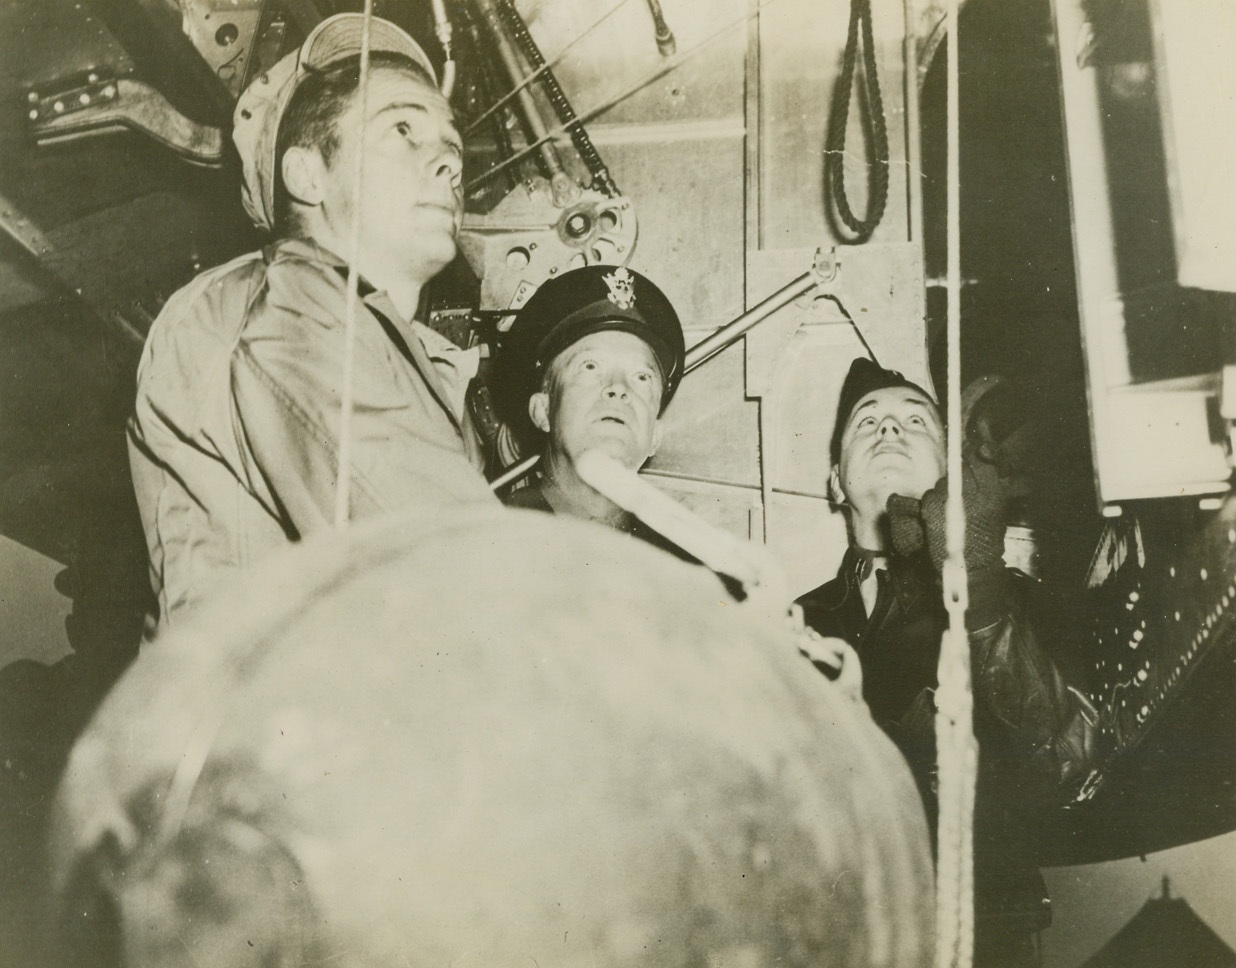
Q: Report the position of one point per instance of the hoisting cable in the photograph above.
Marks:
(343, 482)
(956, 749)
(563, 187)
(480, 87)
(535, 75)
(601, 178)
(834, 153)
(665, 68)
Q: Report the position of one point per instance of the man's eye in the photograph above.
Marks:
(403, 128)
(588, 365)
(916, 421)
(867, 422)
(643, 376)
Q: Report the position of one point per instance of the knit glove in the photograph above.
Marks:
(995, 454)
(916, 524)
(1000, 431)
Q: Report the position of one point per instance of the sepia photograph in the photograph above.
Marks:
(617, 484)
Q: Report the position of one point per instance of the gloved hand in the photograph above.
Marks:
(1000, 431)
(993, 457)
(914, 524)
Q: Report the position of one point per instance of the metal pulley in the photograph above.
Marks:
(526, 239)
(569, 215)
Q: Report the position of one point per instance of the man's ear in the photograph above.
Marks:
(538, 410)
(303, 174)
(835, 493)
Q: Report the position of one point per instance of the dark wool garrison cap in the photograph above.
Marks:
(865, 376)
(574, 305)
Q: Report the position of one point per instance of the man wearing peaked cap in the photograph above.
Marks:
(591, 361)
(1035, 733)
(235, 439)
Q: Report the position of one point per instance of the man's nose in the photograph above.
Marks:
(616, 386)
(448, 163)
(889, 425)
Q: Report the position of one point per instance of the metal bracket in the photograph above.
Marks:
(225, 35)
(527, 239)
(92, 104)
(766, 352)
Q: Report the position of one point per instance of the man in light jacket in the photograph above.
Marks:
(235, 441)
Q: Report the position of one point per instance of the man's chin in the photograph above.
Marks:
(893, 460)
(434, 220)
(434, 253)
(618, 449)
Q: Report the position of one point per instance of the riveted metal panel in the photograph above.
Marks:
(193, 238)
(54, 38)
(711, 430)
(690, 229)
(607, 51)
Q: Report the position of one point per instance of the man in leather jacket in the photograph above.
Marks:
(1034, 732)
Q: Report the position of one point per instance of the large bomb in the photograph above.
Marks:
(490, 739)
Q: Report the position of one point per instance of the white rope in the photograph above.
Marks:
(956, 751)
(343, 483)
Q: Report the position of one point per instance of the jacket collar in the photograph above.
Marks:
(307, 250)
(910, 579)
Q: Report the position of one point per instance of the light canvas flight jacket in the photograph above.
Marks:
(234, 440)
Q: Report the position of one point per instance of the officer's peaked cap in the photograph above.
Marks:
(578, 303)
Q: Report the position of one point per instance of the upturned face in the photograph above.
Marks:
(412, 193)
(893, 443)
(604, 393)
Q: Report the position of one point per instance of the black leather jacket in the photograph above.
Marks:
(1035, 734)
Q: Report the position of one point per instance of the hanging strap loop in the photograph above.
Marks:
(834, 164)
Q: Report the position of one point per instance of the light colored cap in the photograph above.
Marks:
(260, 108)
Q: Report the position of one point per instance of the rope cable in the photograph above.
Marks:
(834, 155)
(956, 749)
(343, 482)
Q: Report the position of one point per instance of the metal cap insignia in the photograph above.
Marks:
(621, 287)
